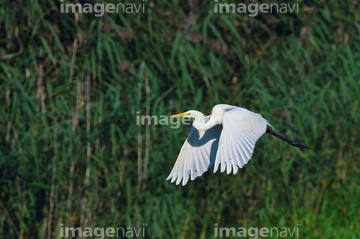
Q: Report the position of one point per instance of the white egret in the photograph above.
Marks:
(226, 138)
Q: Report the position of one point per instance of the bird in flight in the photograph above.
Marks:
(225, 139)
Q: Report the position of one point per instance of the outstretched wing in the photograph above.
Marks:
(241, 129)
(196, 155)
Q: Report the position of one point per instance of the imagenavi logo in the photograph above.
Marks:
(253, 9)
(99, 9)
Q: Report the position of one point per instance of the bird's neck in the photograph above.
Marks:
(201, 124)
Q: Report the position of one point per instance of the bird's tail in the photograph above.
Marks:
(270, 130)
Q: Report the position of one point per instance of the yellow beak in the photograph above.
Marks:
(179, 115)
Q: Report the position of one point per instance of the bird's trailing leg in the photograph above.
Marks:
(270, 130)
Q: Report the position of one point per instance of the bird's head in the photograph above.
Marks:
(199, 118)
(189, 114)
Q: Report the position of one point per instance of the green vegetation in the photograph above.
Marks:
(71, 85)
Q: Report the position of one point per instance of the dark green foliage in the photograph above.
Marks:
(72, 85)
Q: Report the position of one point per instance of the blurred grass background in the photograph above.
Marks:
(71, 86)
